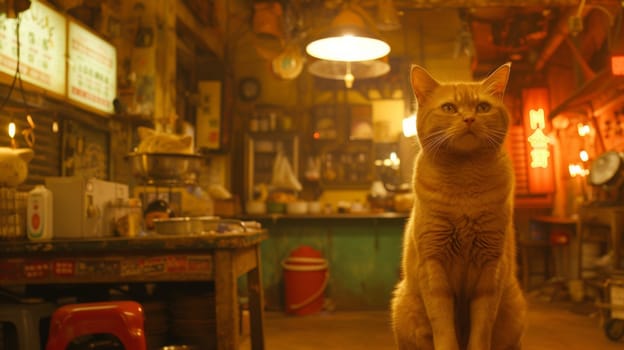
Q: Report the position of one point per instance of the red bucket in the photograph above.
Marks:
(305, 278)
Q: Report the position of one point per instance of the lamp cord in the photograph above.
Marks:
(17, 66)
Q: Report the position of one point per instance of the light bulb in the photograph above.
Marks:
(11, 130)
(584, 155)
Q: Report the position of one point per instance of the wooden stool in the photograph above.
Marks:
(123, 319)
(27, 319)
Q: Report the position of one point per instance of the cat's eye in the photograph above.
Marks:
(483, 107)
(449, 108)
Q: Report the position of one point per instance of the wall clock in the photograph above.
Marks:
(249, 88)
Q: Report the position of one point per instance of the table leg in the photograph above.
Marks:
(226, 298)
(616, 232)
(256, 307)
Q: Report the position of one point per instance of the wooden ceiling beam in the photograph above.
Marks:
(210, 38)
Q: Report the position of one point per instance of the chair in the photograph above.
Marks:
(28, 320)
(123, 319)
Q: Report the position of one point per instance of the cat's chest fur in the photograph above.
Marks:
(462, 214)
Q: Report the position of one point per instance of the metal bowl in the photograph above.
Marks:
(185, 225)
(165, 167)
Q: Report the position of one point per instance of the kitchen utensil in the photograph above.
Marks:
(165, 167)
(177, 226)
(199, 225)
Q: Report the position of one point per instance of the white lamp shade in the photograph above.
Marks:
(348, 40)
(348, 48)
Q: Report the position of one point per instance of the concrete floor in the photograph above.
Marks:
(551, 326)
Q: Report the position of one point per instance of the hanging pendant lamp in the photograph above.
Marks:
(348, 39)
(349, 71)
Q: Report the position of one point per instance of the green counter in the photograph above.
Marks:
(363, 253)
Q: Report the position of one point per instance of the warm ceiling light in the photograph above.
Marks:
(348, 39)
(348, 71)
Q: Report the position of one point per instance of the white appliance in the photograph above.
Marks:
(80, 205)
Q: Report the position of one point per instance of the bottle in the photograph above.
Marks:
(39, 213)
(135, 216)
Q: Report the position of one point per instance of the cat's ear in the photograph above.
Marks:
(144, 132)
(422, 83)
(496, 83)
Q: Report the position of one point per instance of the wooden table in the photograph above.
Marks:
(221, 258)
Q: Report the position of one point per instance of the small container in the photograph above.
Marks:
(256, 207)
(263, 123)
(253, 123)
(135, 217)
(297, 207)
(181, 226)
(314, 207)
(39, 214)
(272, 121)
(276, 207)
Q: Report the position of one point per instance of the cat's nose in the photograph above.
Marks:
(469, 120)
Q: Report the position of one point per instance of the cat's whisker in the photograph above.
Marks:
(435, 141)
(495, 141)
(496, 132)
(442, 143)
(492, 143)
(433, 138)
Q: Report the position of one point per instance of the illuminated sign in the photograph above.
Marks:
(42, 37)
(92, 69)
(538, 140)
(535, 110)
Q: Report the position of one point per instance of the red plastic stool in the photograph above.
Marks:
(123, 319)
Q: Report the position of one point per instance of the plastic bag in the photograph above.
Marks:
(283, 176)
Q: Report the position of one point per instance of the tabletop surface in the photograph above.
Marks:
(152, 242)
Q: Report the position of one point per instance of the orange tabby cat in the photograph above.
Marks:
(459, 289)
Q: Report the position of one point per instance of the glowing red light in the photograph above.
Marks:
(617, 65)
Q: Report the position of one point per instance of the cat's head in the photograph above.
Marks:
(461, 118)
